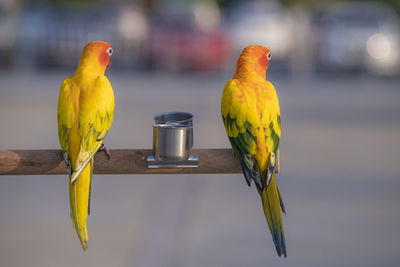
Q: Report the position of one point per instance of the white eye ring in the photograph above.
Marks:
(109, 51)
(269, 55)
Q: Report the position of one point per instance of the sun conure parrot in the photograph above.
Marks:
(84, 113)
(250, 111)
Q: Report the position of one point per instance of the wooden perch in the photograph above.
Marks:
(123, 161)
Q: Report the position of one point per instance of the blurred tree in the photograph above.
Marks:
(84, 2)
(72, 2)
(223, 3)
(393, 3)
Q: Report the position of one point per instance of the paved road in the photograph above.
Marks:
(339, 179)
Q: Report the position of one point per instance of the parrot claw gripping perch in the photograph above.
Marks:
(105, 150)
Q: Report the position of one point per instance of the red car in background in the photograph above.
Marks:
(186, 39)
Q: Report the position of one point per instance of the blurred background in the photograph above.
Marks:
(336, 67)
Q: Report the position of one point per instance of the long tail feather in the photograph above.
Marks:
(273, 213)
(281, 202)
(79, 200)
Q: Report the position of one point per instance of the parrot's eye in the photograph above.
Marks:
(109, 51)
(269, 55)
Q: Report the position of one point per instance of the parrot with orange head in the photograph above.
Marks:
(251, 116)
(85, 113)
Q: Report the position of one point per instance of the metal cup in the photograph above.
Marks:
(172, 136)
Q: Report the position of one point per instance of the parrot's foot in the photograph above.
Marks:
(106, 151)
(61, 156)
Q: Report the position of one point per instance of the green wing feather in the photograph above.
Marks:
(95, 119)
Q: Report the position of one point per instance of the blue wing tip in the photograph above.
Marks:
(280, 244)
(281, 249)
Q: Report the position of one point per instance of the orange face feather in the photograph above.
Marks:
(99, 51)
(254, 58)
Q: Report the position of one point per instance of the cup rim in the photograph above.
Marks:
(169, 126)
(189, 115)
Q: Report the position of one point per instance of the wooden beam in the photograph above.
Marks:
(123, 161)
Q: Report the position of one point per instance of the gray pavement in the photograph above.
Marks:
(340, 179)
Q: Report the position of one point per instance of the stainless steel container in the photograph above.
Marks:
(172, 141)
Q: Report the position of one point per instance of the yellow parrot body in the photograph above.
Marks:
(251, 115)
(84, 114)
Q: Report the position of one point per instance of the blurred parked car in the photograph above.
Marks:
(55, 36)
(356, 36)
(263, 23)
(186, 38)
(8, 28)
